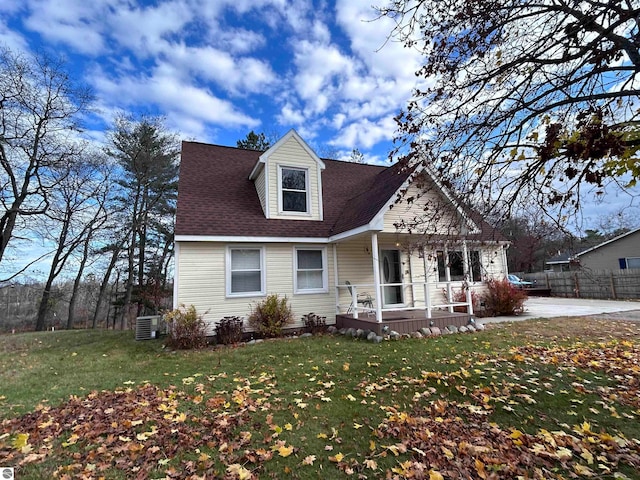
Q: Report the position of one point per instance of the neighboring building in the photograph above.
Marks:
(284, 221)
(621, 252)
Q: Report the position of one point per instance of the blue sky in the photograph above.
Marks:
(218, 69)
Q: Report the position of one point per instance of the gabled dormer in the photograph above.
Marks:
(288, 180)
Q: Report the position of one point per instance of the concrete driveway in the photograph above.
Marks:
(550, 307)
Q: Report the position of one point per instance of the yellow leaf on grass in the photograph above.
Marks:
(435, 475)
(447, 453)
(345, 367)
(285, 451)
(20, 441)
(357, 426)
(338, 458)
(288, 426)
(582, 470)
(240, 472)
(71, 441)
(480, 469)
(587, 456)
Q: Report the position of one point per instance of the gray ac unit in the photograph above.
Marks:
(147, 327)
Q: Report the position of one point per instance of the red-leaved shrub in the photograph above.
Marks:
(502, 298)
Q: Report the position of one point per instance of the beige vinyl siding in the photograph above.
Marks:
(261, 189)
(440, 216)
(607, 257)
(201, 282)
(292, 154)
(355, 265)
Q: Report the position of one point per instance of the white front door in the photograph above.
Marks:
(391, 270)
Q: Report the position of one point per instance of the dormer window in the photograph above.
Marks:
(294, 190)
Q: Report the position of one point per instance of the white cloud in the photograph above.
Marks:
(76, 23)
(147, 30)
(174, 97)
(12, 40)
(290, 116)
(236, 75)
(364, 134)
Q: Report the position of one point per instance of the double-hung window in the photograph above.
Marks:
(294, 190)
(456, 265)
(310, 271)
(245, 271)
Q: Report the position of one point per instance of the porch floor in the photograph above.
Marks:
(402, 321)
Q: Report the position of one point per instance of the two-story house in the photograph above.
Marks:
(337, 238)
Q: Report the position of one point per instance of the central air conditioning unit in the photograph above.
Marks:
(147, 328)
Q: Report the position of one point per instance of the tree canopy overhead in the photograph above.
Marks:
(537, 98)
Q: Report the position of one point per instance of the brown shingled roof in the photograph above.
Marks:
(216, 197)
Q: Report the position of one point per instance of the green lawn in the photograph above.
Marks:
(540, 399)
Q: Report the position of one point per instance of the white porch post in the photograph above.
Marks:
(447, 276)
(335, 276)
(465, 268)
(427, 297)
(376, 275)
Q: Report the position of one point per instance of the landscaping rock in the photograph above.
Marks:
(377, 339)
(342, 331)
(251, 342)
(452, 328)
(351, 332)
(332, 329)
(260, 340)
(435, 331)
(360, 333)
(416, 335)
(425, 331)
(480, 326)
(471, 328)
(393, 335)
(463, 329)
(371, 336)
(305, 335)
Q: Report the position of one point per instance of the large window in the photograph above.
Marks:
(293, 190)
(310, 273)
(456, 265)
(245, 272)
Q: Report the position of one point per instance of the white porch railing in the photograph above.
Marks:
(354, 308)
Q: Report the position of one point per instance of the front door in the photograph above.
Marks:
(391, 270)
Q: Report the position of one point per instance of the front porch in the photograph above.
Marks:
(402, 321)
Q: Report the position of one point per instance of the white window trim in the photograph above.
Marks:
(325, 271)
(281, 210)
(263, 275)
(471, 279)
(630, 258)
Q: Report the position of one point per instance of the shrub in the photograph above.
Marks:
(314, 323)
(502, 298)
(229, 330)
(270, 316)
(187, 330)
